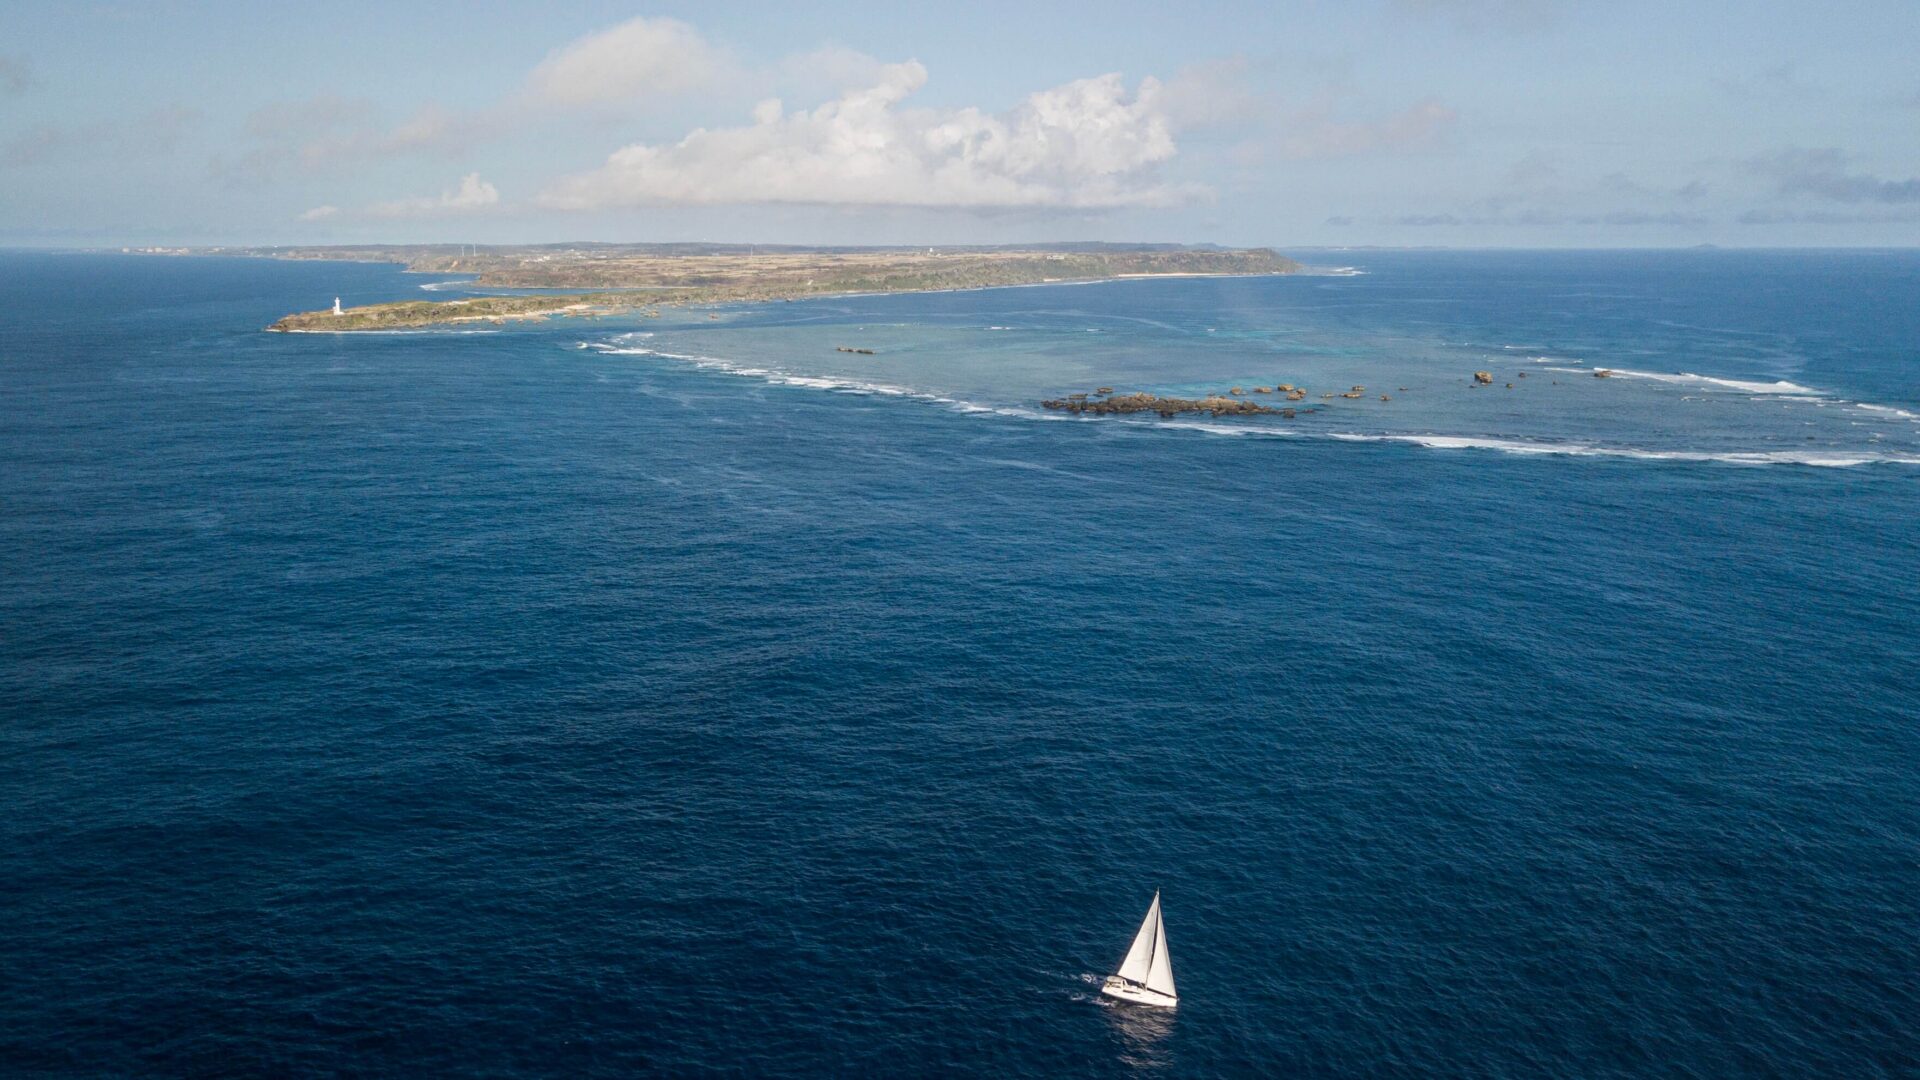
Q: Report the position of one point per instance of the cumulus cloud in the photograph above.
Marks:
(15, 76)
(320, 213)
(1823, 173)
(1087, 144)
(825, 72)
(637, 60)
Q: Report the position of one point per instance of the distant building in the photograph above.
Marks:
(336, 306)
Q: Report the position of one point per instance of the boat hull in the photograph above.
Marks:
(1121, 990)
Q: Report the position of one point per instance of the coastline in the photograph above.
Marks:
(647, 280)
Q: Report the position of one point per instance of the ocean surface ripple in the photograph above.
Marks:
(491, 705)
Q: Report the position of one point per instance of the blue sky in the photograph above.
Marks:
(1532, 123)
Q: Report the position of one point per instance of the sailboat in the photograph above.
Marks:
(1146, 975)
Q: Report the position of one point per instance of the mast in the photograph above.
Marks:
(1160, 971)
(1138, 965)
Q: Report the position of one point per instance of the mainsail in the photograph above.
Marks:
(1147, 963)
(1160, 972)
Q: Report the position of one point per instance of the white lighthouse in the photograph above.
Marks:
(336, 305)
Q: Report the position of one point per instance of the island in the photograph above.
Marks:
(627, 278)
(1101, 403)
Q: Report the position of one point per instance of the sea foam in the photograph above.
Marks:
(1431, 441)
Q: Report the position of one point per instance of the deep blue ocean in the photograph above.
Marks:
(681, 696)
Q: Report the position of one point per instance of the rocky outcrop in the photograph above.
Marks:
(1215, 404)
(1484, 378)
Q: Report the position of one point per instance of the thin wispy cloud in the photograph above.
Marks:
(1776, 84)
(154, 133)
(1823, 173)
(1480, 16)
(1316, 133)
(1369, 113)
(16, 76)
(323, 134)
(470, 196)
(635, 63)
(1553, 219)
(1828, 217)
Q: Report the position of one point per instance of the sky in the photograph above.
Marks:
(1290, 123)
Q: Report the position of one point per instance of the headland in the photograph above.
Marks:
(646, 277)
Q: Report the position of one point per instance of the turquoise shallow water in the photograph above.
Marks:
(525, 703)
(1703, 351)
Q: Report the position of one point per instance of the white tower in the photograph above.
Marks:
(336, 305)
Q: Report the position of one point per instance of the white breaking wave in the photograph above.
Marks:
(1829, 459)
(1780, 390)
(1891, 411)
(842, 385)
(831, 383)
(390, 333)
(1743, 386)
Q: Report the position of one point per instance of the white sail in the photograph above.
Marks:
(1160, 972)
(1138, 965)
(1146, 975)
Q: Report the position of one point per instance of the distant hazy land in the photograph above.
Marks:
(645, 276)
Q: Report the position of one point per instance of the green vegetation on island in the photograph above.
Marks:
(653, 276)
